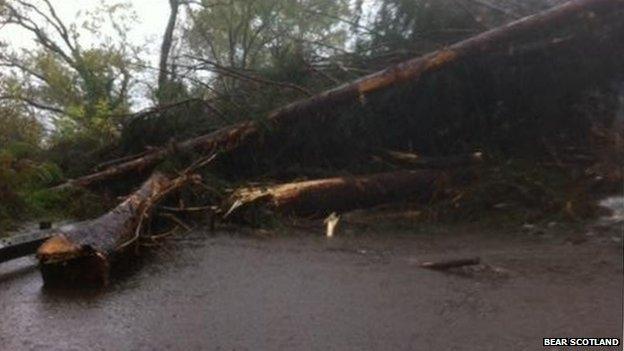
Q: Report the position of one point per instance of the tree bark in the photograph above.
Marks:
(503, 39)
(83, 254)
(163, 71)
(323, 196)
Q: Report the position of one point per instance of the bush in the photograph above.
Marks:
(22, 176)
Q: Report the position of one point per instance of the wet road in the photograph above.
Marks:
(357, 291)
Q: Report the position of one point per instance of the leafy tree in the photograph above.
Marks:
(249, 34)
(83, 89)
(253, 55)
(22, 170)
(17, 126)
(425, 25)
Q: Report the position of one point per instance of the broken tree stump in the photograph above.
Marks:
(323, 196)
(83, 254)
(504, 39)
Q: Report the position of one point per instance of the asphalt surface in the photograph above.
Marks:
(361, 290)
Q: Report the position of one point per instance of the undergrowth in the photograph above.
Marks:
(25, 179)
(516, 191)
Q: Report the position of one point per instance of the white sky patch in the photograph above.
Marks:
(152, 18)
(146, 32)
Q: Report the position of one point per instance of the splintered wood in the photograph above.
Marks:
(321, 197)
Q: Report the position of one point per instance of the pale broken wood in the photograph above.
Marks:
(320, 197)
(331, 222)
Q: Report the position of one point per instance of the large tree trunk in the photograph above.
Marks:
(577, 14)
(163, 72)
(323, 196)
(84, 253)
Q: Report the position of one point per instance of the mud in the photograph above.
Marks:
(361, 290)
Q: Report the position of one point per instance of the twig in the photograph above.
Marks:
(137, 232)
(323, 74)
(200, 163)
(187, 209)
(164, 235)
(209, 188)
(176, 220)
(496, 8)
(442, 265)
(148, 207)
(233, 73)
(119, 160)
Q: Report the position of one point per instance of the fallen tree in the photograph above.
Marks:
(84, 253)
(323, 196)
(500, 40)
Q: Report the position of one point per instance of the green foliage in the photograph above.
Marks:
(18, 127)
(258, 53)
(95, 105)
(249, 34)
(86, 88)
(173, 90)
(420, 24)
(25, 193)
(20, 136)
(175, 123)
(24, 175)
(20, 180)
(76, 204)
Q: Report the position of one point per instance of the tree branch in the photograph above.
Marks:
(35, 104)
(234, 73)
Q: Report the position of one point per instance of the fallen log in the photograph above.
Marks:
(84, 253)
(443, 265)
(323, 196)
(504, 39)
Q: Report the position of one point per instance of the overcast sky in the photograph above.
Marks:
(152, 16)
(152, 19)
